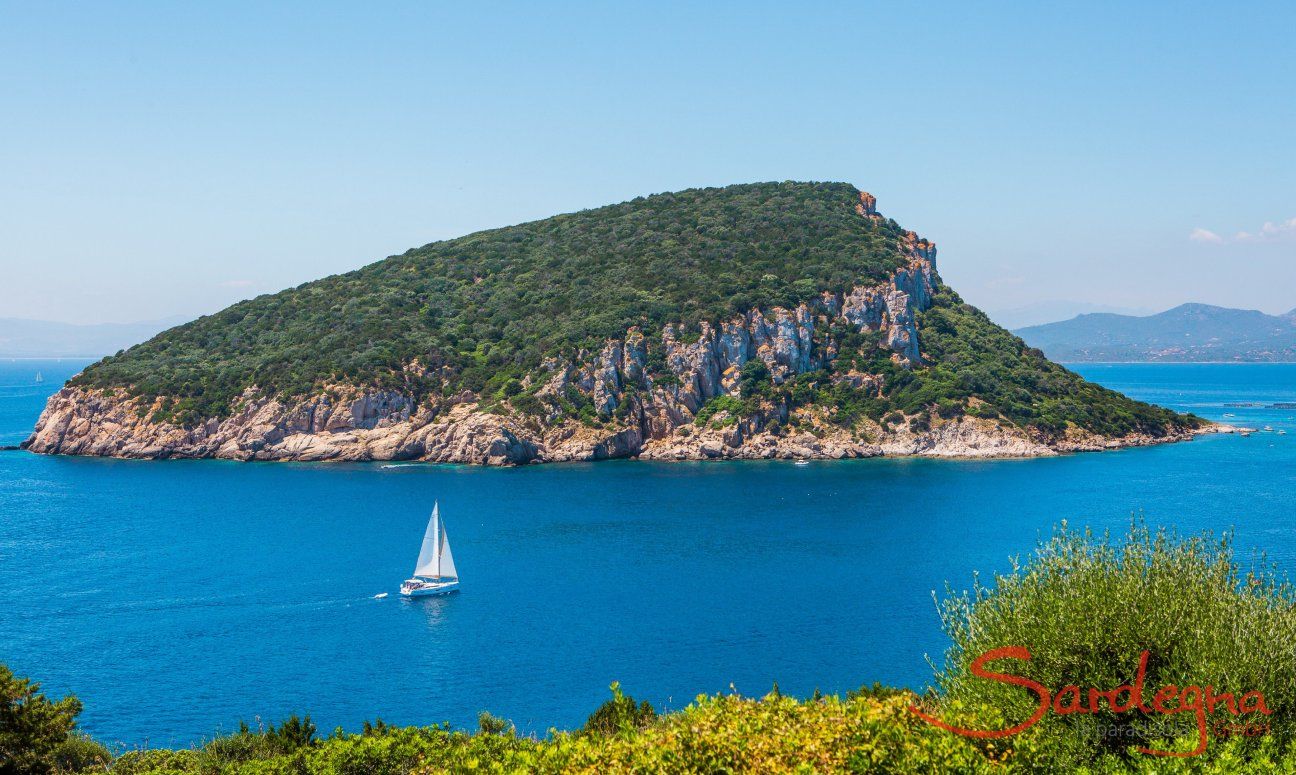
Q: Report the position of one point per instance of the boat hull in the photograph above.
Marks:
(429, 590)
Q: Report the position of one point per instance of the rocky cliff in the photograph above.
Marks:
(697, 389)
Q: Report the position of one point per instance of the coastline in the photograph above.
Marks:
(82, 422)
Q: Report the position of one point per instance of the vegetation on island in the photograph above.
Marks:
(484, 312)
(494, 304)
(977, 364)
(1085, 607)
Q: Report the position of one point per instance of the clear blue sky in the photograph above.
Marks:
(162, 159)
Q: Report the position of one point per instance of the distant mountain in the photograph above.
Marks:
(21, 338)
(1049, 310)
(1189, 332)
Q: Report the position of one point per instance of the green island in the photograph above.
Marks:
(765, 310)
(1085, 606)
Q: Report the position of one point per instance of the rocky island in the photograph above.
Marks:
(774, 320)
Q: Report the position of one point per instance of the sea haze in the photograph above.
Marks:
(178, 597)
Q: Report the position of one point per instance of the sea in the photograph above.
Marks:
(178, 598)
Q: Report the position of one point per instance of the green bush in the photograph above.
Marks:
(527, 403)
(735, 407)
(37, 734)
(81, 753)
(620, 714)
(754, 380)
(1086, 608)
(247, 745)
(490, 724)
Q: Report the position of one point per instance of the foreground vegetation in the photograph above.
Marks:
(1085, 607)
(482, 313)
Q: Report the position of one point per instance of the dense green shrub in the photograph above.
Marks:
(81, 753)
(754, 379)
(620, 714)
(292, 735)
(1086, 607)
(38, 735)
(733, 406)
(490, 724)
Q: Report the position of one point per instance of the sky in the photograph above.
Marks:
(164, 159)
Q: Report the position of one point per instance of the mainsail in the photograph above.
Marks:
(434, 558)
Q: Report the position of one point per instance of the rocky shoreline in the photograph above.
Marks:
(382, 427)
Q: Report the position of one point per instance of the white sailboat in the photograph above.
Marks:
(435, 572)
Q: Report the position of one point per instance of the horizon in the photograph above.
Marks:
(171, 160)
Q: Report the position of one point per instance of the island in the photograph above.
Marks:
(769, 320)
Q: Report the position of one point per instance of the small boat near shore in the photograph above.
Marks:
(434, 573)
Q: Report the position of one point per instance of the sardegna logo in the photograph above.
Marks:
(1169, 700)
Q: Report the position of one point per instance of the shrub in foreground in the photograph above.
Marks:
(867, 733)
(1087, 610)
(38, 735)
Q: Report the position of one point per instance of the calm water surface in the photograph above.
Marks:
(178, 597)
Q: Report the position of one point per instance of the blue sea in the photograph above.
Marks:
(177, 598)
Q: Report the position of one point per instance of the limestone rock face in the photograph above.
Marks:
(966, 437)
(642, 411)
(607, 377)
(867, 205)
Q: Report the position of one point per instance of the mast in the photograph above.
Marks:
(436, 519)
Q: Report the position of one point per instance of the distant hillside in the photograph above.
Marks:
(1048, 310)
(761, 320)
(21, 338)
(1189, 332)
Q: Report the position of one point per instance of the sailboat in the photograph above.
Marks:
(435, 572)
(39, 378)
